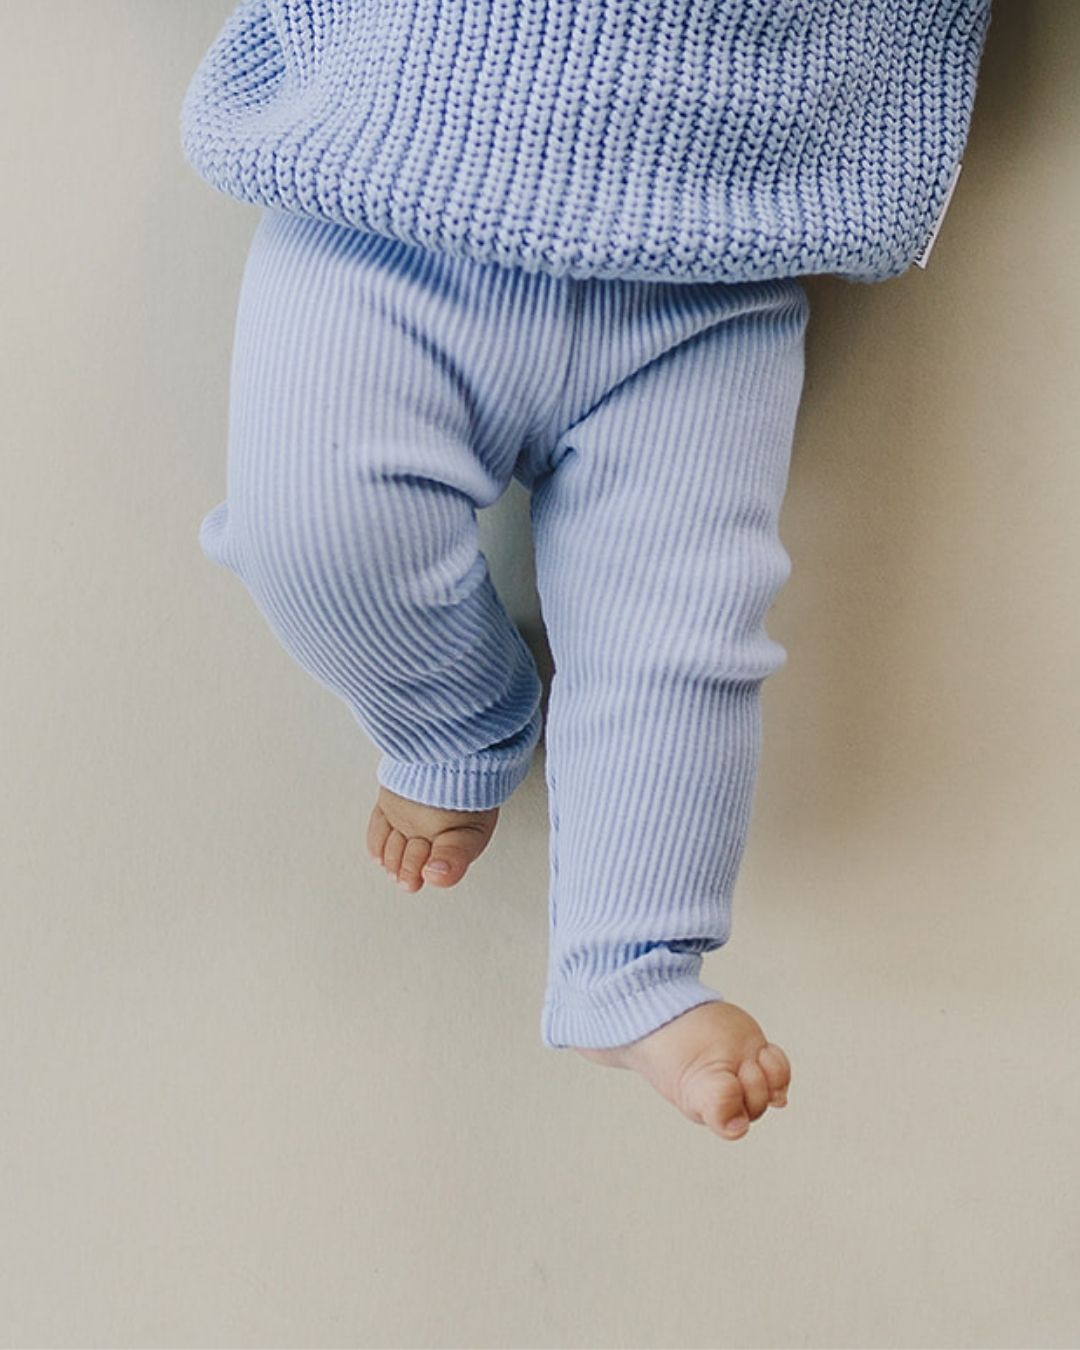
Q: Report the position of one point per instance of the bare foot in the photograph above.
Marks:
(712, 1062)
(417, 843)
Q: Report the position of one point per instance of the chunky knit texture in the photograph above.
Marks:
(697, 140)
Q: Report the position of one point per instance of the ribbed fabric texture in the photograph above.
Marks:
(381, 393)
(654, 139)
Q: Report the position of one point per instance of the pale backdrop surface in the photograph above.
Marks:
(254, 1095)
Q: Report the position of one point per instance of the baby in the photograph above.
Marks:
(560, 243)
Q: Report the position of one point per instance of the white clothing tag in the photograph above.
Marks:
(920, 261)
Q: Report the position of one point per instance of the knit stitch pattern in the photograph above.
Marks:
(677, 140)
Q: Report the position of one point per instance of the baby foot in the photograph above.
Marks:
(712, 1062)
(417, 843)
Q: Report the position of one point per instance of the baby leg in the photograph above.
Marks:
(657, 558)
(357, 459)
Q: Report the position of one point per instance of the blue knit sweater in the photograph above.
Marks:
(690, 140)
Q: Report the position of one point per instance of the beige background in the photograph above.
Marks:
(254, 1095)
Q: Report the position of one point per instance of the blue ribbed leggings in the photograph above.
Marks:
(380, 394)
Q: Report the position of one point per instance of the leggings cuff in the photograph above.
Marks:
(476, 784)
(588, 1025)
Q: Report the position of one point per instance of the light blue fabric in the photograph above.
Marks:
(380, 395)
(654, 139)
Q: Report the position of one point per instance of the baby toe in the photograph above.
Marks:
(447, 864)
(715, 1097)
(394, 851)
(755, 1087)
(777, 1072)
(412, 860)
(378, 831)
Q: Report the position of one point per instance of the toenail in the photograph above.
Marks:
(739, 1123)
(438, 868)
